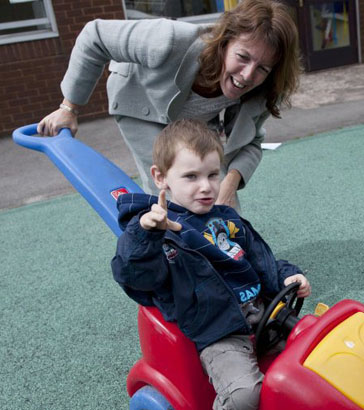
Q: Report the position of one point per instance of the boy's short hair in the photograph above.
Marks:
(192, 134)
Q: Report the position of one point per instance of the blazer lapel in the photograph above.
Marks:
(244, 129)
(185, 77)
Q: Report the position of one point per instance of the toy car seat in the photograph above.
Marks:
(170, 364)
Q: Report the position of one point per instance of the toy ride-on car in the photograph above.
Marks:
(321, 367)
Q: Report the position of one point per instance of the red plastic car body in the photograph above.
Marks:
(170, 364)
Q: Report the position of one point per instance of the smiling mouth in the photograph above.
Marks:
(237, 83)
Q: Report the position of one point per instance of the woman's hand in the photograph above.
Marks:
(61, 118)
(157, 218)
(305, 288)
(228, 188)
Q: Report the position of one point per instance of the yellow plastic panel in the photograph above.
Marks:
(321, 308)
(339, 358)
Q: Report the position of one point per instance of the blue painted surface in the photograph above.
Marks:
(148, 398)
(94, 176)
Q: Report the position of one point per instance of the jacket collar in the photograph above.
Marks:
(244, 125)
(185, 77)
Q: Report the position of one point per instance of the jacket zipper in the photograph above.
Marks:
(217, 275)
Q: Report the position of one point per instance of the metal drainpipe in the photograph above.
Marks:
(358, 30)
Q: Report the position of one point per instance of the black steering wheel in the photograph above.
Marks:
(272, 330)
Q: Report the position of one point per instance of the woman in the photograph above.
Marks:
(233, 75)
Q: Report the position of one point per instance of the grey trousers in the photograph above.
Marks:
(139, 136)
(232, 367)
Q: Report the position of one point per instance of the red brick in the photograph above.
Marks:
(92, 11)
(10, 110)
(116, 9)
(108, 16)
(81, 4)
(32, 108)
(68, 6)
(7, 119)
(103, 3)
(8, 75)
(14, 88)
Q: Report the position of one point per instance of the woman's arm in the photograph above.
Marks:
(228, 187)
(145, 42)
(243, 126)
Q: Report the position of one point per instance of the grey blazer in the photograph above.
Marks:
(153, 64)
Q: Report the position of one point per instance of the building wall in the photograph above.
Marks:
(31, 71)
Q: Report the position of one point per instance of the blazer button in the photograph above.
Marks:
(145, 110)
(115, 105)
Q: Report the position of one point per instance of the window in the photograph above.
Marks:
(195, 10)
(330, 25)
(24, 20)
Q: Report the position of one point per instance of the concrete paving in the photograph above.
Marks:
(326, 100)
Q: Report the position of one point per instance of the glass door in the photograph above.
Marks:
(195, 10)
(327, 31)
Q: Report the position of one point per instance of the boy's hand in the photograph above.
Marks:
(305, 288)
(157, 218)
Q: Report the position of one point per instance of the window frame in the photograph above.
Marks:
(31, 35)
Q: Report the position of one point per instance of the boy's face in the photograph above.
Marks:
(193, 183)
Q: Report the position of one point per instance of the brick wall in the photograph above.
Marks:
(31, 71)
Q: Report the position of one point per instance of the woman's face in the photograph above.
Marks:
(247, 63)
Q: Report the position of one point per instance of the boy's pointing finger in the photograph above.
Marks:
(162, 201)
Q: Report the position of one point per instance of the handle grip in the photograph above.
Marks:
(26, 137)
(94, 176)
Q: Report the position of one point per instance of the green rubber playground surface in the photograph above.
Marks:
(68, 333)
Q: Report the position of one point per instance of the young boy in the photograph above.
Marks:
(200, 263)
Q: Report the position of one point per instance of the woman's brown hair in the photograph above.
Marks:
(267, 20)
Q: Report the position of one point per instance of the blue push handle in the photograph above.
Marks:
(94, 176)
(24, 136)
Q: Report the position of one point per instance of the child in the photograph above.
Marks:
(200, 263)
